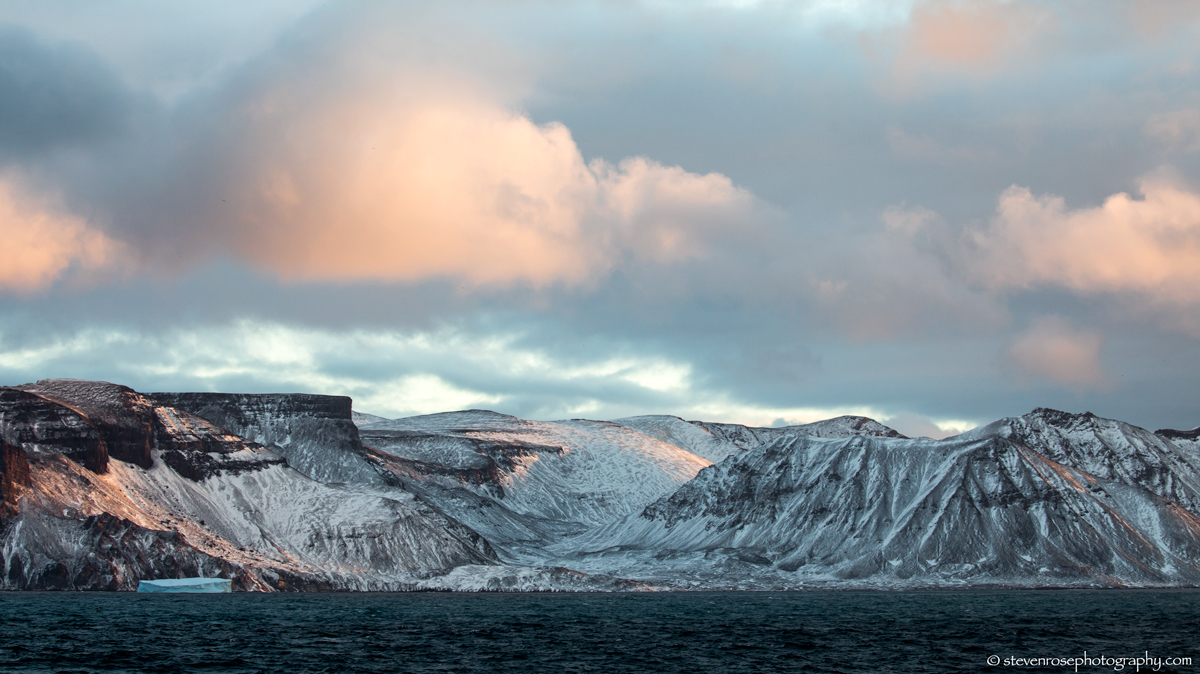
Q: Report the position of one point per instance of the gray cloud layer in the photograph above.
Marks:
(821, 215)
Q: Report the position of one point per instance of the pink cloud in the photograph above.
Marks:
(1148, 246)
(42, 242)
(966, 37)
(426, 177)
(1052, 350)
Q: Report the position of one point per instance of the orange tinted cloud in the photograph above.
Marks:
(39, 244)
(426, 179)
(1052, 350)
(965, 36)
(1149, 245)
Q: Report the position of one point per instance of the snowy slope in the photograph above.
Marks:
(978, 509)
(716, 441)
(1187, 442)
(576, 471)
(687, 435)
(524, 484)
(361, 419)
(1108, 449)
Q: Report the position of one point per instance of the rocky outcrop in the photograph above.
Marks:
(42, 427)
(124, 419)
(93, 422)
(315, 433)
(209, 503)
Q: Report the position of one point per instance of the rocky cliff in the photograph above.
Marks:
(209, 503)
(315, 432)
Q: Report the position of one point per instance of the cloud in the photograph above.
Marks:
(1156, 19)
(916, 425)
(55, 96)
(426, 175)
(971, 37)
(1052, 350)
(1177, 131)
(1149, 246)
(923, 147)
(900, 280)
(969, 33)
(40, 242)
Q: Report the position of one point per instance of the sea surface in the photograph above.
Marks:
(952, 631)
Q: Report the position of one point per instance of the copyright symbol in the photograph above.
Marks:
(993, 660)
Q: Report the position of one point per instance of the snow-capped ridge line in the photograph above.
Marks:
(984, 509)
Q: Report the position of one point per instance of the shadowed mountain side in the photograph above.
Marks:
(1108, 449)
(886, 510)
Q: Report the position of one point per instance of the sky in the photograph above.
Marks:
(935, 213)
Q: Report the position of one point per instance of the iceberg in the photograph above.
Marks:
(202, 585)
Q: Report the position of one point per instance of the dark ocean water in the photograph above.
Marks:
(677, 632)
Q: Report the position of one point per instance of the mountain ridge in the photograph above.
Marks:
(102, 485)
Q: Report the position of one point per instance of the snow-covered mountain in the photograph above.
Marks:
(361, 419)
(525, 483)
(101, 486)
(1109, 450)
(1018, 501)
(716, 441)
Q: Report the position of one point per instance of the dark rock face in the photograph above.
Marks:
(43, 426)
(198, 450)
(398, 467)
(1112, 450)
(14, 474)
(92, 422)
(239, 411)
(114, 554)
(1172, 434)
(314, 432)
(124, 418)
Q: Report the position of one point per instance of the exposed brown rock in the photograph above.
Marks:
(14, 474)
(40, 426)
